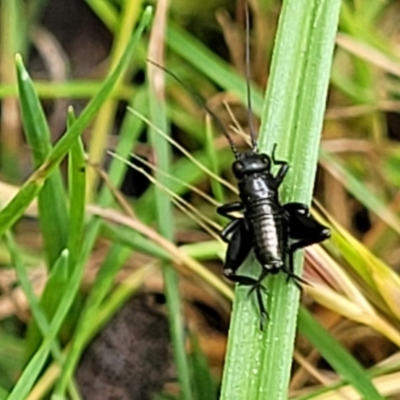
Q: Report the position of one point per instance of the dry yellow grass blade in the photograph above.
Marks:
(344, 296)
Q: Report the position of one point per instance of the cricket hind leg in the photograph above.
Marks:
(304, 230)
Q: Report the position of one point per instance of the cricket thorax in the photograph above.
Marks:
(256, 188)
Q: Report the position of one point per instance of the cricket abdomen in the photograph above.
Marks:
(269, 236)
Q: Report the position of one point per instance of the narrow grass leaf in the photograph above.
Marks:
(76, 185)
(13, 34)
(53, 214)
(164, 215)
(77, 89)
(106, 12)
(135, 241)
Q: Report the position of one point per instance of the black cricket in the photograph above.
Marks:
(274, 231)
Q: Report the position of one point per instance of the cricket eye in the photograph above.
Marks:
(238, 168)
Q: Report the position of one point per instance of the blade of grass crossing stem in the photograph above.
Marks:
(340, 359)
(33, 185)
(76, 89)
(164, 215)
(135, 241)
(258, 363)
(53, 215)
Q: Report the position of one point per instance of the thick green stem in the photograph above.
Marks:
(258, 363)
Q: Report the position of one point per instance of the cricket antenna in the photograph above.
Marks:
(254, 144)
(200, 101)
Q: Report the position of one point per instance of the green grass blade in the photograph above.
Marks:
(13, 30)
(339, 358)
(165, 222)
(53, 214)
(77, 185)
(77, 89)
(32, 186)
(135, 241)
(105, 11)
(292, 117)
